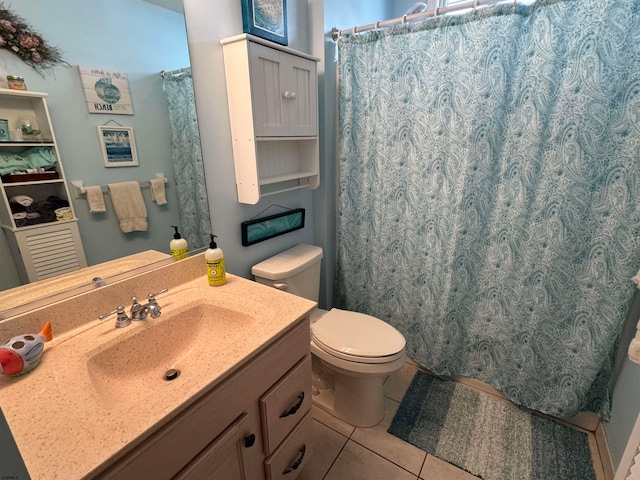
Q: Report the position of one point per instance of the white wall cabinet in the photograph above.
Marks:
(42, 246)
(273, 109)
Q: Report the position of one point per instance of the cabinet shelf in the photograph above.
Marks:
(285, 178)
(282, 139)
(38, 225)
(35, 182)
(273, 109)
(16, 143)
(7, 92)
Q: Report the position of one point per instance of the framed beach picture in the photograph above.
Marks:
(266, 19)
(106, 91)
(118, 146)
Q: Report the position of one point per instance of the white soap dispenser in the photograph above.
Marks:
(179, 247)
(215, 264)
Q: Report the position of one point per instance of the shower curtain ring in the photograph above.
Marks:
(404, 20)
(475, 5)
(435, 14)
(353, 32)
(378, 25)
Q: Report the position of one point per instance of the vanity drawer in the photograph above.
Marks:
(290, 458)
(285, 404)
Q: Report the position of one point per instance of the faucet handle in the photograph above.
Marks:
(152, 295)
(122, 320)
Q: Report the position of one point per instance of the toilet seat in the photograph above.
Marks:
(357, 337)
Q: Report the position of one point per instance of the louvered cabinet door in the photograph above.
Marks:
(50, 250)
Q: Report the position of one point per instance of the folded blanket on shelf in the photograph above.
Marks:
(36, 157)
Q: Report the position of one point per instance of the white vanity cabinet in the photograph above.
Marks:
(50, 247)
(273, 109)
(256, 424)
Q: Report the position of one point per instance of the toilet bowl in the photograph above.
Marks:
(352, 353)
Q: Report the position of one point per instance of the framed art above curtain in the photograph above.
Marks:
(266, 19)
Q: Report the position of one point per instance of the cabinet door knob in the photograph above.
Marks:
(293, 95)
(295, 408)
(287, 94)
(249, 440)
(296, 464)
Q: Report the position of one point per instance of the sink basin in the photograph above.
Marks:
(132, 366)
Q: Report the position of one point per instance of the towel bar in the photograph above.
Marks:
(79, 190)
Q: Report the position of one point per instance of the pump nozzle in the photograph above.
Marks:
(176, 235)
(213, 243)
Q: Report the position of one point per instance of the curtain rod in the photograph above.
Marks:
(433, 12)
(177, 71)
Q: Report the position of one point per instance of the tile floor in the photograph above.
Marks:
(342, 451)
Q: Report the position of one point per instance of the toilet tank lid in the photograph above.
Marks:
(288, 263)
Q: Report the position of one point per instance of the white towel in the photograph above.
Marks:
(129, 206)
(634, 346)
(95, 199)
(23, 200)
(158, 194)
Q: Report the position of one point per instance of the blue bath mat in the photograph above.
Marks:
(488, 437)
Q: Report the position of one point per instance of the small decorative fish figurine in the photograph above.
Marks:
(22, 354)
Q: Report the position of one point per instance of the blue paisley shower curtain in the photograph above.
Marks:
(489, 192)
(191, 190)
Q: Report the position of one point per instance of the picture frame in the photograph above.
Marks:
(106, 91)
(118, 146)
(266, 19)
(4, 130)
(261, 229)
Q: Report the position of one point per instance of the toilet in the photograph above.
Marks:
(352, 353)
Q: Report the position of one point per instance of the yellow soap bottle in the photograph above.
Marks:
(215, 264)
(179, 247)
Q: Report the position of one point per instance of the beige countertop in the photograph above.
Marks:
(75, 413)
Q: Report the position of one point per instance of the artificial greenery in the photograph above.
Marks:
(19, 38)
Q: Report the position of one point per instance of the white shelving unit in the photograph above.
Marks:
(273, 108)
(46, 249)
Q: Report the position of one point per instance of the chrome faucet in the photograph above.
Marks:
(138, 311)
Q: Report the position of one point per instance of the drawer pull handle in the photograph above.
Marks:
(249, 440)
(295, 408)
(297, 463)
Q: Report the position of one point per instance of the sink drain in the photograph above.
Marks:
(171, 374)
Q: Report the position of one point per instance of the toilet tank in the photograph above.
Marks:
(296, 271)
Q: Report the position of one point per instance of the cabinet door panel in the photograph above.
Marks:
(267, 92)
(221, 459)
(303, 108)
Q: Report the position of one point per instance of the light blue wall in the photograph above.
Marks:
(207, 23)
(140, 39)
